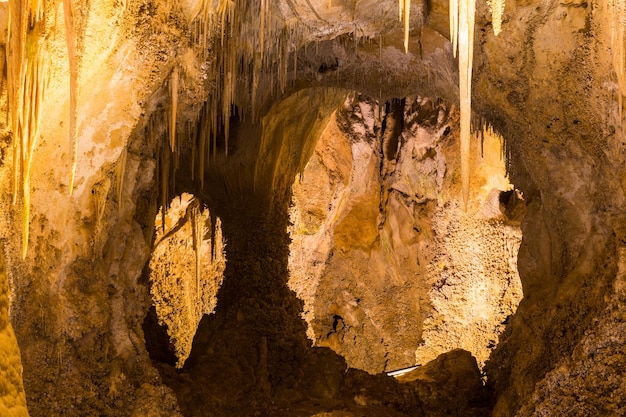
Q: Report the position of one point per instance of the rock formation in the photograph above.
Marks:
(117, 108)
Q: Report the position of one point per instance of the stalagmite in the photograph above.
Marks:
(70, 39)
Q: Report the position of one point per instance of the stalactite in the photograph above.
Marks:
(71, 39)
(284, 53)
(295, 64)
(262, 30)
(120, 174)
(16, 35)
(618, 44)
(33, 100)
(466, 54)
(194, 155)
(203, 133)
(249, 50)
(226, 110)
(214, 226)
(26, 83)
(454, 23)
(197, 233)
(164, 181)
(214, 125)
(407, 15)
(174, 107)
(462, 33)
(497, 9)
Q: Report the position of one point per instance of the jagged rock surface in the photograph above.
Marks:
(378, 221)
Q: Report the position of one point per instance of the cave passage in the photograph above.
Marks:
(252, 354)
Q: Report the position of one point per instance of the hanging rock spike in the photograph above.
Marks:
(497, 9)
(466, 52)
(26, 82)
(174, 107)
(70, 39)
(454, 24)
(407, 15)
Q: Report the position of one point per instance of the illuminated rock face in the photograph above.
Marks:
(551, 83)
(186, 270)
(379, 221)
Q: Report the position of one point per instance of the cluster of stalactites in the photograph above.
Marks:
(246, 44)
(462, 13)
(26, 59)
(240, 43)
(27, 74)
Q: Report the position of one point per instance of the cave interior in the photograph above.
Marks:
(312, 208)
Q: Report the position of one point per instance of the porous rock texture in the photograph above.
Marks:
(12, 397)
(378, 221)
(547, 84)
(186, 270)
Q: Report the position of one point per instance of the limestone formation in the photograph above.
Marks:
(351, 118)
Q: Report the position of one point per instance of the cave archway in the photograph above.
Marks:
(255, 344)
(185, 271)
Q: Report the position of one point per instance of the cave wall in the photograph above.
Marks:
(12, 396)
(555, 97)
(378, 220)
(76, 304)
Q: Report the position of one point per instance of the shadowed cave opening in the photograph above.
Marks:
(252, 351)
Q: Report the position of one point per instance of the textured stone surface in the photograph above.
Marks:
(377, 225)
(186, 270)
(12, 397)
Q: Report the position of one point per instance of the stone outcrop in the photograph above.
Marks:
(374, 228)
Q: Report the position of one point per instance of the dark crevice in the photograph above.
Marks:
(157, 340)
